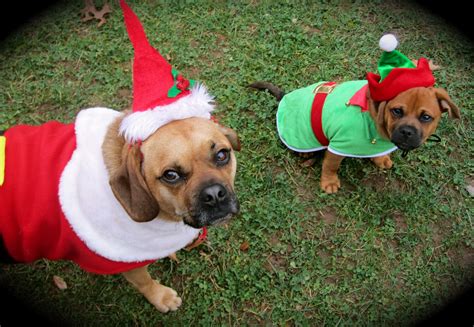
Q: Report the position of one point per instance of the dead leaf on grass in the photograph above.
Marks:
(91, 12)
(59, 282)
(308, 163)
(244, 246)
(173, 257)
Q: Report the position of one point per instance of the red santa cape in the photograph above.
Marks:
(56, 202)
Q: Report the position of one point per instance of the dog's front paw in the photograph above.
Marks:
(383, 162)
(164, 298)
(330, 185)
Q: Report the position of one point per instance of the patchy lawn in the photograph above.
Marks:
(388, 249)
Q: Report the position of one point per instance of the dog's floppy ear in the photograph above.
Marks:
(231, 136)
(446, 104)
(130, 188)
(377, 110)
(381, 112)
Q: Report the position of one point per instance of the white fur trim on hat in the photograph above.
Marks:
(388, 42)
(139, 125)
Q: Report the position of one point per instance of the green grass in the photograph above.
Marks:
(388, 249)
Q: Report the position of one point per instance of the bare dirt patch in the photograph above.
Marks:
(328, 215)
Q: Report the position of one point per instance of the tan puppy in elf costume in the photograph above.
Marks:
(399, 108)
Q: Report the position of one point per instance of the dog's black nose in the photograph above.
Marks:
(213, 204)
(213, 195)
(407, 131)
(406, 137)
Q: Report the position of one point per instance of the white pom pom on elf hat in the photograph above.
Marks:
(388, 42)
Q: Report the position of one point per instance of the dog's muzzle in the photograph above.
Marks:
(215, 204)
(406, 137)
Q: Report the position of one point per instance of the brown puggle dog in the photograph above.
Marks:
(120, 206)
(364, 119)
(115, 191)
(187, 174)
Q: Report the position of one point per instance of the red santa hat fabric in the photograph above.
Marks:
(160, 93)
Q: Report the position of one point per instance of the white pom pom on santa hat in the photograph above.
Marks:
(388, 42)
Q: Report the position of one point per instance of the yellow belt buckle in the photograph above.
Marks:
(2, 159)
(323, 88)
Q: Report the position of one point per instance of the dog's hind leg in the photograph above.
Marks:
(163, 298)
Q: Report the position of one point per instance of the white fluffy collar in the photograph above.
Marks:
(93, 211)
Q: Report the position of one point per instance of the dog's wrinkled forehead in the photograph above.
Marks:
(417, 99)
(177, 142)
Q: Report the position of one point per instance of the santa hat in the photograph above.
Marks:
(160, 93)
(397, 73)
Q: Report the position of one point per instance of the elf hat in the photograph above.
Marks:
(397, 72)
(160, 93)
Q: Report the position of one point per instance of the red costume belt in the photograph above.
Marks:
(321, 92)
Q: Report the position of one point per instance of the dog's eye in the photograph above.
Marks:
(171, 176)
(397, 112)
(425, 118)
(222, 157)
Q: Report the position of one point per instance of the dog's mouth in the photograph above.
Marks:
(405, 146)
(204, 218)
(204, 215)
(222, 221)
(214, 203)
(200, 221)
(406, 138)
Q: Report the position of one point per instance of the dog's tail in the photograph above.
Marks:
(274, 90)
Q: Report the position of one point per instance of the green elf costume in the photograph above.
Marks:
(331, 116)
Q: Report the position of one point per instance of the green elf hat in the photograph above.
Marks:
(397, 73)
